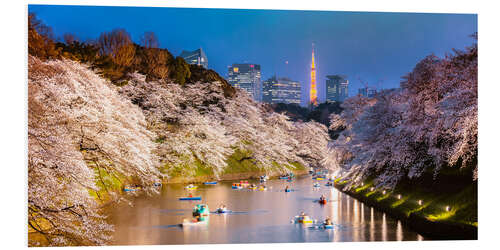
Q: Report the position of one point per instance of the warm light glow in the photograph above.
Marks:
(235, 69)
(383, 192)
(399, 197)
(313, 94)
(420, 202)
(447, 208)
(371, 189)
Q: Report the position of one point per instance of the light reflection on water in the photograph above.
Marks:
(259, 217)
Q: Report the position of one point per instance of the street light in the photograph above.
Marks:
(447, 208)
(371, 189)
(420, 202)
(383, 192)
(399, 197)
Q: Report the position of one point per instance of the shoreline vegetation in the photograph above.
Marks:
(439, 215)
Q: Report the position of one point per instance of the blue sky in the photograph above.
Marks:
(366, 45)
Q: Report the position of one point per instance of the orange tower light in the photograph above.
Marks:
(313, 93)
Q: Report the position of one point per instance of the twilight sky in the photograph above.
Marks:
(366, 45)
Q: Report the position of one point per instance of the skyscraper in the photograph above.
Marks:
(336, 88)
(196, 57)
(313, 93)
(281, 90)
(246, 76)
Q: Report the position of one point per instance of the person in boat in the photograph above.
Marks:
(222, 208)
(328, 221)
(322, 198)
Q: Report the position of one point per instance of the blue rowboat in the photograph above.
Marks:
(221, 211)
(283, 177)
(197, 198)
(327, 226)
(129, 189)
(210, 183)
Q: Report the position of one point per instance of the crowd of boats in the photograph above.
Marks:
(201, 211)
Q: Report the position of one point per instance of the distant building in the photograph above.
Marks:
(336, 88)
(246, 76)
(281, 90)
(367, 91)
(196, 57)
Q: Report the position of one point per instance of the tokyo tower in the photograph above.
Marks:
(313, 93)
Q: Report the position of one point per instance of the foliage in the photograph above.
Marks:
(197, 123)
(425, 129)
(180, 73)
(77, 122)
(40, 42)
(200, 74)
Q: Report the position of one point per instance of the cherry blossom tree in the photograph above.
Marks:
(430, 123)
(78, 125)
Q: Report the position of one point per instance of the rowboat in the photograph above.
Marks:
(196, 198)
(193, 222)
(303, 219)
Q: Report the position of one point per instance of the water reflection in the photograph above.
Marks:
(259, 217)
(384, 228)
(372, 225)
(399, 232)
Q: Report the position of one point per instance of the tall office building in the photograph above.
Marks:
(196, 57)
(281, 90)
(246, 76)
(336, 88)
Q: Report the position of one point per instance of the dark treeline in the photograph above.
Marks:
(320, 114)
(114, 55)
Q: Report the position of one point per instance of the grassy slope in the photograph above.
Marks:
(238, 167)
(403, 202)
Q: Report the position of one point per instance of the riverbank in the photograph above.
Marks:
(229, 176)
(239, 166)
(439, 215)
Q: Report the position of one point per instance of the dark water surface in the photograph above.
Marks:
(257, 217)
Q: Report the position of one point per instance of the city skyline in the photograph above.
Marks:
(372, 46)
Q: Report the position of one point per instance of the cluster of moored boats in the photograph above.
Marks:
(201, 211)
